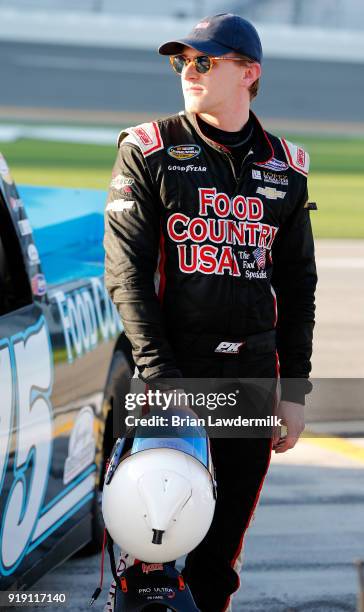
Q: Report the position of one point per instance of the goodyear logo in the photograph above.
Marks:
(186, 151)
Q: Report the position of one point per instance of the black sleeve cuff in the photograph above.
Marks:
(295, 389)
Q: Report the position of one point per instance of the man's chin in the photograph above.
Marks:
(194, 106)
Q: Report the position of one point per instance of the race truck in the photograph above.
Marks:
(64, 361)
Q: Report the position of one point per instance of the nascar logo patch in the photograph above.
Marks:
(185, 151)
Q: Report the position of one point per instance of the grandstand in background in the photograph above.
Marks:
(340, 14)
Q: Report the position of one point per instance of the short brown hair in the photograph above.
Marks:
(254, 88)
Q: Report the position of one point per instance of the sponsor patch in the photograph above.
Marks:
(81, 446)
(230, 348)
(119, 182)
(182, 152)
(33, 254)
(271, 193)
(25, 227)
(296, 156)
(39, 285)
(151, 567)
(277, 179)
(127, 191)
(202, 25)
(301, 157)
(275, 164)
(256, 174)
(188, 168)
(146, 136)
(120, 205)
(143, 136)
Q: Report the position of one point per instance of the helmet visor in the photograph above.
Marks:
(192, 441)
(197, 447)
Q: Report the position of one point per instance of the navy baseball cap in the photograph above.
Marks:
(218, 35)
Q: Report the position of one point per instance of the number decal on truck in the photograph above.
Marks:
(26, 387)
(6, 407)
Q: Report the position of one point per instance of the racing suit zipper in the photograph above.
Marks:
(238, 179)
(230, 326)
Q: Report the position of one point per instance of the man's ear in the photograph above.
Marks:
(251, 73)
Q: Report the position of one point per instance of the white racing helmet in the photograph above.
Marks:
(159, 494)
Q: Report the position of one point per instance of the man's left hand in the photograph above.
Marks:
(293, 417)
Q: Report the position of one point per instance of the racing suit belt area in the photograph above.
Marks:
(208, 345)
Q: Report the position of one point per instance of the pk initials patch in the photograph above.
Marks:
(232, 348)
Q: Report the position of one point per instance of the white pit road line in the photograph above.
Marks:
(340, 264)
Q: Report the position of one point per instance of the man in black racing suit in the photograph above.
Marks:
(210, 262)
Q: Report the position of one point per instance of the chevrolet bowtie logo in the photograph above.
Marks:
(271, 193)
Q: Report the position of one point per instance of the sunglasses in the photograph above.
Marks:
(202, 63)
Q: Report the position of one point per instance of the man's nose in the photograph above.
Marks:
(189, 70)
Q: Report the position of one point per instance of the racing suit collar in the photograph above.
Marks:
(261, 145)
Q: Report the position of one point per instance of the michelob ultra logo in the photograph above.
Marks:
(186, 151)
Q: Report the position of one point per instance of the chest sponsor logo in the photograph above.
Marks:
(188, 168)
(186, 151)
(271, 193)
(260, 258)
(231, 348)
(256, 174)
(275, 164)
(120, 182)
(277, 179)
(120, 205)
(206, 243)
